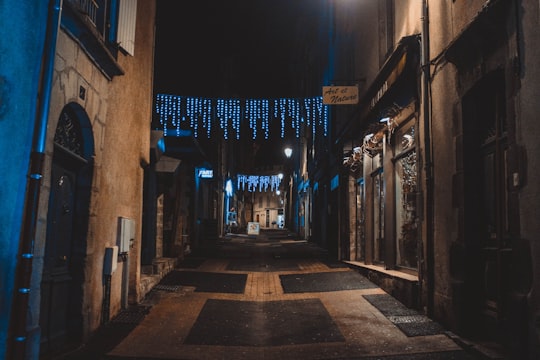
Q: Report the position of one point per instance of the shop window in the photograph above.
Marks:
(405, 168)
(360, 220)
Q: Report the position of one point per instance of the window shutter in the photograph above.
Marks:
(126, 25)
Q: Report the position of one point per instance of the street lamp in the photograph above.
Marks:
(288, 152)
(288, 192)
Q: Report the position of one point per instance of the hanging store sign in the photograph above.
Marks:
(340, 95)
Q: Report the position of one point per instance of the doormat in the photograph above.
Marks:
(132, 315)
(191, 263)
(324, 282)
(334, 264)
(263, 264)
(169, 288)
(409, 321)
(440, 355)
(207, 281)
(263, 323)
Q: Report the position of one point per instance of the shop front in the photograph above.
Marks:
(381, 167)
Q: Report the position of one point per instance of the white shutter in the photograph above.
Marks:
(127, 19)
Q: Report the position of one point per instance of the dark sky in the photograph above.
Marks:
(230, 49)
(198, 42)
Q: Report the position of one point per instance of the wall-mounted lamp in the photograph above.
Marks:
(354, 160)
(229, 188)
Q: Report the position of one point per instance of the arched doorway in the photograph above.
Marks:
(67, 224)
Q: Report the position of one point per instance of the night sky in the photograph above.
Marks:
(229, 49)
(197, 42)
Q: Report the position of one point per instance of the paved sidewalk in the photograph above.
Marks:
(270, 298)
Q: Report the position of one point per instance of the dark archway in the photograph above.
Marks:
(61, 319)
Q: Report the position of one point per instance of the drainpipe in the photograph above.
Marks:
(18, 338)
(428, 165)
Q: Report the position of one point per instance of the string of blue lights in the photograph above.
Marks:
(259, 182)
(178, 113)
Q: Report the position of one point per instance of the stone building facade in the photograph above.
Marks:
(435, 166)
(86, 263)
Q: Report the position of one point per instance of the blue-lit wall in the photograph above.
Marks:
(22, 38)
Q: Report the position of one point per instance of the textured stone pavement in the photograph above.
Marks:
(271, 299)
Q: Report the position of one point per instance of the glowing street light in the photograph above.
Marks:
(288, 152)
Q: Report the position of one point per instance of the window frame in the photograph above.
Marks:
(399, 155)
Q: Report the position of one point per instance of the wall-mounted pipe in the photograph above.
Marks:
(18, 333)
(428, 163)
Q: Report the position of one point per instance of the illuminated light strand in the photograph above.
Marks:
(265, 123)
(325, 119)
(282, 117)
(229, 114)
(238, 113)
(259, 183)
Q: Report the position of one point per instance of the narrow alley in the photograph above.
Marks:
(271, 296)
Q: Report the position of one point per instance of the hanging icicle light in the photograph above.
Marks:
(228, 115)
(253, 183)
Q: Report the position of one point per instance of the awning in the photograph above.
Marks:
(176, 145)
(396, 85)
(183, 148)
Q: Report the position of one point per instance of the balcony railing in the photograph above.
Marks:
(88, 8)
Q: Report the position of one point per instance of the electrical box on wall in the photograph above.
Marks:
(126, 234)
(111, 260)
